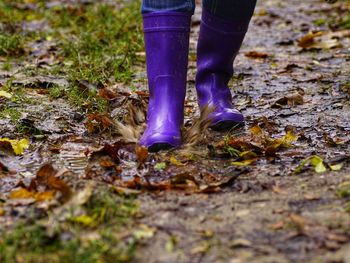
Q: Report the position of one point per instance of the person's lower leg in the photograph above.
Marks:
(234, 10)
(223, 27)
(183, 6)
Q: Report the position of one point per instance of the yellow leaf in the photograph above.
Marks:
(171, 244)
(285, 141)
(175, 161)
(144, 232)
(248, 155)
(49, 38)
(336, 167)
(244, 163)
(160, 166)
(44, 196)
(290, 137)
(84, 220)
(21, 193)
(201, 248)
(315, 161)
(5, 94)
(17, 146)
(256, 131)
(318, 164)
(2, 212)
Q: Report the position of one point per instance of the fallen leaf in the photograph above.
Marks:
(23, 193)
(160, 166)
(47, 177)
(125, 191)
(85, 220)
(318, 164)
(175, 161)
(248, 155)
(44, 196)
(280, 143)
(107, 94)
(308, 40)
(278, 190)
(290, 100)
(3, 168)
(256, 54)
(144, 232)
(240, 243)
(311, 197)
(336, 167)
(245, 162)
(319, 40)
(105, 163)
(98, 123)
(256, 130)
(142, 154)
(5, 94)
(18, 146)
(315, 161)
(171, 243)
(201, 248)
(277, 226)
(81, 197)
(298, 221)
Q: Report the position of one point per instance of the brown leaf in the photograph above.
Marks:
(105, 163)
(46, 176)
(142, 154)
(321, 40)
(3, 168)
(298, 221)
(290, 100)
(256, 54)
(308, 40)
(112, 151)
(338, 237)
(107, 94)
(278, 190)
(311, 197)
(277, 226)
(98, 122)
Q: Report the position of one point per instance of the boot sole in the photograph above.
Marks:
(160, 147)
(226, 126)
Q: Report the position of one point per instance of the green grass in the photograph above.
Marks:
(101, 42)
(11, 45)
(345, 87)
(71, 241)
(345, 21)
(10, 113)
(96, 43)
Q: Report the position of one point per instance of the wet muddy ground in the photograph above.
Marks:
(276, 190)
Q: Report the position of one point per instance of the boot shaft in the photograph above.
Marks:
(166, 42)
(218, 44)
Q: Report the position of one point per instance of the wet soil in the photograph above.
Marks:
(202, 207)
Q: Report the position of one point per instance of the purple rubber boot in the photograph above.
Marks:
(218, 44)
(166, 44)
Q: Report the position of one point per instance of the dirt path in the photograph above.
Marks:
(237, 197)
(270, 214)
